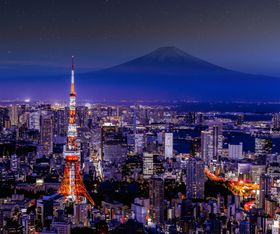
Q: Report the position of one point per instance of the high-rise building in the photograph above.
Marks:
(81, 211)
(134, 122)
(156, 194)
(13, 114)
(190, 117)
(114, 152)
(34, 120)
(148, 163)
(23, 119)
(217, 140)
(108, 133)
(60, 122)
(187, 214)
(113, 144)
(28, 223)
(139, 143)
(212, 143)
(82, 116)
(265, 186)
(235, 151)
(195, 147)
(14, 163)
(168, 145)
(195, 178)
(276, 121)
(263, 145)
(4, 117)
(206, 146)
(44, 210)
(140, 207)
(257, 171)
(46, 133)
(160, 138)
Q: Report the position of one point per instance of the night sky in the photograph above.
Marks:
(39, 36)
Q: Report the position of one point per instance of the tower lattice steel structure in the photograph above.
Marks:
(72, 186)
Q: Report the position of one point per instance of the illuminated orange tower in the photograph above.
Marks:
(72, 186)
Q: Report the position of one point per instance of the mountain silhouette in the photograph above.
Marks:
(167, 60)
(165, 74)
(169, 73)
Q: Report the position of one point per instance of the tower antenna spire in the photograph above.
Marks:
(72, 77)
(72, 62)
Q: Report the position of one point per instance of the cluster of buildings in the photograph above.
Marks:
(138, 170)
(100, 168)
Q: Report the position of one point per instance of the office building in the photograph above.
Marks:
(206, 146)
(276, 121)
(211, 143)
(156, 194)
(168, 145)
(34, 120)
(235, 151)
(148, 165)
(113, 143)
(139, 143)
(13, 114)
(263, 145)
(195, 178)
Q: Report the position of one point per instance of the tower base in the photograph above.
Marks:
(72, 186)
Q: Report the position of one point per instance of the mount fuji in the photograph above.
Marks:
(165, 74)
(169, 73)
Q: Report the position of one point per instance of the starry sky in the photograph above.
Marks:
(39, 36)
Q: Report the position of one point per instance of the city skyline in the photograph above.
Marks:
(105, 169)
(171, 124)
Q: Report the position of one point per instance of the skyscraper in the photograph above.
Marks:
(13, 114)
(156, 194)
(195, 178)
(206, 146)
(212, 143)
(263, 145)
(217, 140)
(235, 151)
(168, 145)
(60, 122)
(4, 117)
(139, 143)
(148, 165)
(113, 144)
(46, 133)
(134, 121)
(276, 121)
(34, 120)
(265, 186)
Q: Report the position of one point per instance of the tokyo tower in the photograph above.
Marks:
(72, 186)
